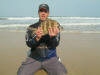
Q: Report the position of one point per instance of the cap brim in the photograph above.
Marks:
(42, 9)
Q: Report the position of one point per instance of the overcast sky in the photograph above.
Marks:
(89, 8)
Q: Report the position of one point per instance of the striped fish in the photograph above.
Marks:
(48, 24)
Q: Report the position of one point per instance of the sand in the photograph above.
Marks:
(79, 52)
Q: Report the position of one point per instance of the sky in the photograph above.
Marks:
(29, 8)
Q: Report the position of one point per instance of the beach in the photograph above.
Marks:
(79, 52)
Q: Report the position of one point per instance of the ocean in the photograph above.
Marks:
(69, 24)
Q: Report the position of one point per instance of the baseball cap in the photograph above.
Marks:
(44, 7)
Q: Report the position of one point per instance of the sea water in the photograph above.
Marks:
(69, 24)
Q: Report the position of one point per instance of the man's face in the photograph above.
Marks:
(43, 14)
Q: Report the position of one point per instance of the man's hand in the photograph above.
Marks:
(53, 31)
(39, 33)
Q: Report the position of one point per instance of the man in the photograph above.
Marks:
(43, 37)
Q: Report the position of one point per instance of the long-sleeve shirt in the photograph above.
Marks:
(48, 45)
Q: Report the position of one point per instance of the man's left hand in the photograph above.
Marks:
(53, 31)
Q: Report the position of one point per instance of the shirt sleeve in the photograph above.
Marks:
(31, 39)
(54, 41)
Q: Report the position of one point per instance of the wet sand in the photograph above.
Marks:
(79, 52)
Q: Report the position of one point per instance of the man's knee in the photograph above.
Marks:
(60, 71)
(29, 67)
(20, 71)
(23, 71)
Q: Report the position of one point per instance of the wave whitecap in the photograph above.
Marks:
(69, 24)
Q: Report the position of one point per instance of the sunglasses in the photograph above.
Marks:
(43, 10)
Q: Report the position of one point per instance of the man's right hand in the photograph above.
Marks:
(39, 33)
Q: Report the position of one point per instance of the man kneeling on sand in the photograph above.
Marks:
(43, 37)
